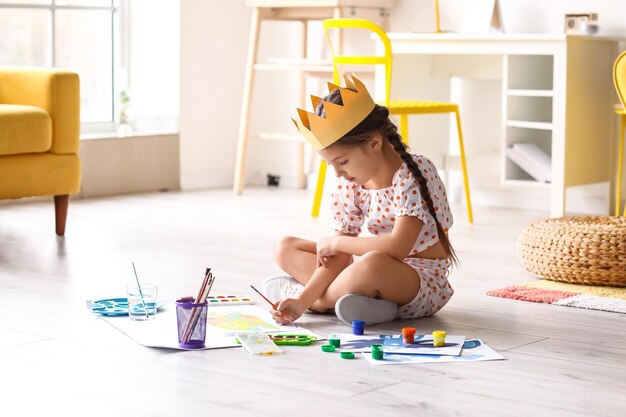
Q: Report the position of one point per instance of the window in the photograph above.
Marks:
(73, 34)
(99, 40)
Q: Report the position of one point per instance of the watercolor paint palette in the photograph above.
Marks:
(228, 300)
(115, 307)
(293, 339)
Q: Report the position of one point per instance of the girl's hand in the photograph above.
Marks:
(290, 308)
(326, 249)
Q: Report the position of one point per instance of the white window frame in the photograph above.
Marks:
(120, 32)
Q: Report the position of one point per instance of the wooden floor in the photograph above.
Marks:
(55, 357)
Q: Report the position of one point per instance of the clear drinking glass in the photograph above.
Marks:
(142, 309)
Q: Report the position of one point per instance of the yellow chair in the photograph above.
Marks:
(619, 78)
(402, 108)
(39, 136)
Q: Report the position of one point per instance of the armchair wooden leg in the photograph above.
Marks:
(61, 203)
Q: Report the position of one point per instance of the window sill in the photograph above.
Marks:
(115, 135)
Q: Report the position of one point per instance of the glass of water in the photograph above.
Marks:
(142, 308)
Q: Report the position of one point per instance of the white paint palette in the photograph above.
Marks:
(228, 300)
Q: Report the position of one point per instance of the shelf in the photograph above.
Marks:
(309, 6)
(533, 160)
(284, 67)
(300, 64)
(290, 137)
(529, 125)
(529, 121)
(530, 93)
(526, 183)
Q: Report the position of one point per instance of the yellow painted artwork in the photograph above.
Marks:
(235, 321)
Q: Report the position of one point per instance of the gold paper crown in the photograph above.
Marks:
(322, 132)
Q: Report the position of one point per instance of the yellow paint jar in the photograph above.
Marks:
(439, 338)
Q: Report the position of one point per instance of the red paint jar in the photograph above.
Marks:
(408, 334)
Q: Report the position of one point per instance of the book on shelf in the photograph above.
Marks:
(532, 159)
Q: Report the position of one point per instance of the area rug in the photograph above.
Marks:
(571, 295)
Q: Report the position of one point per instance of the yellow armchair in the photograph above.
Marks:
(39, 136)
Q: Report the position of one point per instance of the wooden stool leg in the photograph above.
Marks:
(620, 161)
(240, 166)
(61, 203)
(468, 201)
(300, 158)
(301, 174)
(321, 174)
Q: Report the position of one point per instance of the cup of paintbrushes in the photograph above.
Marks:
(191, 318)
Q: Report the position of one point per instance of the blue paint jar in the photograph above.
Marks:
(358, 326)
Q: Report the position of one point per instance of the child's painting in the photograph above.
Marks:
(423, 344)
(239, 319)
(473, 350)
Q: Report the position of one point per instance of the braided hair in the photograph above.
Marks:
(378, 122)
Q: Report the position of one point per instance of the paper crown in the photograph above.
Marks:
(322, 132)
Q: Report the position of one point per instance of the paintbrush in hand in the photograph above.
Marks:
(273, 305)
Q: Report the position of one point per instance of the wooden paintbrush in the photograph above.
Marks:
(273, 305)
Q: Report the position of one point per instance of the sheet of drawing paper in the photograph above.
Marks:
(222, 324)
(474, 350)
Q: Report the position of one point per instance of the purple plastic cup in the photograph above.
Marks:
(191, 320)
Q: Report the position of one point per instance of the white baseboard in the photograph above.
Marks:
(112, 166)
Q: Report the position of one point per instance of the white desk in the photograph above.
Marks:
(557, 92)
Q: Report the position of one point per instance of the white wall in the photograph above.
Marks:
(519, 16)
(214, 37)
(214, 41)
(213, 44)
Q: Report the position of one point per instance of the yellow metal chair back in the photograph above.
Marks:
(402, 108)
(619, 79)
(340, 59)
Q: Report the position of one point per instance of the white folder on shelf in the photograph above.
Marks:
(532, 159)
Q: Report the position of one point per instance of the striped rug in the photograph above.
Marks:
(571, 295)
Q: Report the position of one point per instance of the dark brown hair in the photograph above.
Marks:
(378, 122)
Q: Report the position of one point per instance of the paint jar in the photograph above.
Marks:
(191, 320)
(358, 327)
(334, 339)
(408, 334)
(377, 352)
(439, 338)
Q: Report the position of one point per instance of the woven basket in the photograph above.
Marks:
(578, 249)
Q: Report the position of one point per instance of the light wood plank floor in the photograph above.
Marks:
(57, 358)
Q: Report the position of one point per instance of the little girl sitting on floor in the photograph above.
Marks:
(399, 272)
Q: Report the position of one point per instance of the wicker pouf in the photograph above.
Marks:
(578, 249)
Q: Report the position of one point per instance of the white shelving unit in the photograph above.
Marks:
(528, 95)
(557, 93)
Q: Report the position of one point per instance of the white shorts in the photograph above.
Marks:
(435, 290)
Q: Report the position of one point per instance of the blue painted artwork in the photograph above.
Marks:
(473, 350)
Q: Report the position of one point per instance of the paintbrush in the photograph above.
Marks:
(273, 305)
(205, 288)
(145, 308)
